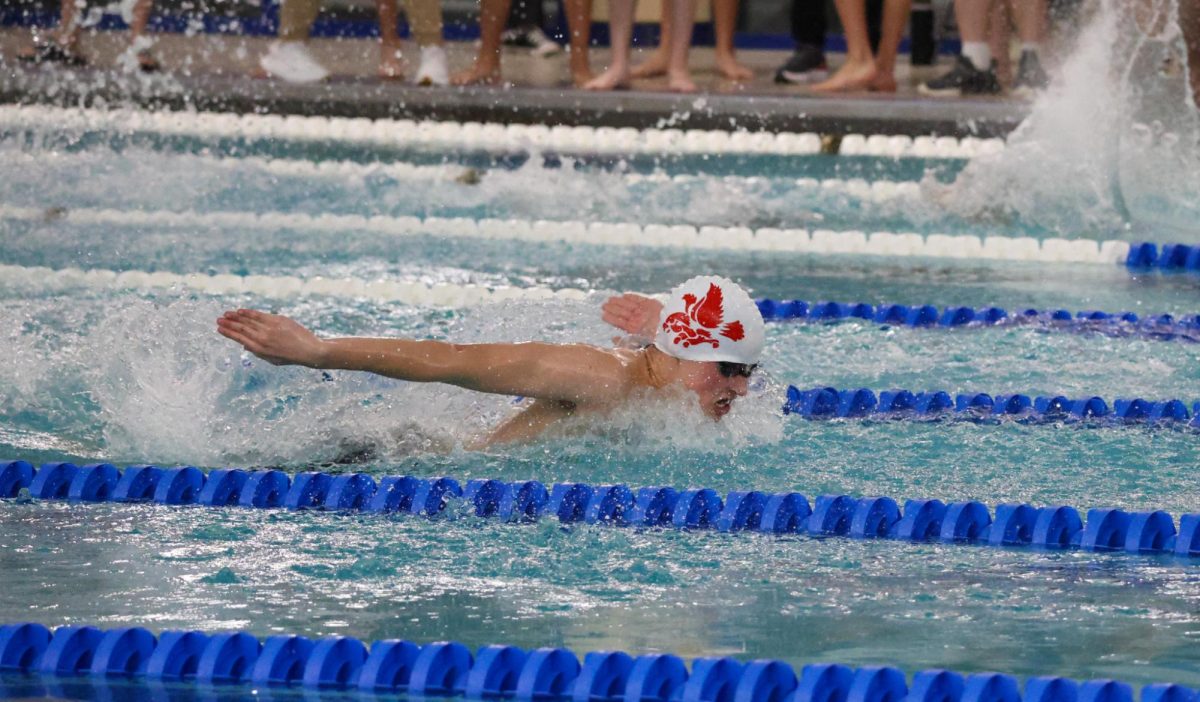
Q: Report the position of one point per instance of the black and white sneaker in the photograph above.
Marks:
(963, 79)
(1031, 77)
(532, 38)
(807, 65)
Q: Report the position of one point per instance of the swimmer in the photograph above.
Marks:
(707, 339)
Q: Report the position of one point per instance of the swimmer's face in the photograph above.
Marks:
(716, 384)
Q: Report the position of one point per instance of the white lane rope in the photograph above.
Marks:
(49, 280)
(481, 136)
(885, 244)
(860, 188)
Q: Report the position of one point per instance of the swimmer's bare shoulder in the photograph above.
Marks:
(630, 372)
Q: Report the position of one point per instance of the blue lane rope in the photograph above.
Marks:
(1162, 327)
(1164, 257)
(1052, 527)
(450, 669)
(831, 403)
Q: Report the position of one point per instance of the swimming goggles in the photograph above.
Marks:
(730, 370)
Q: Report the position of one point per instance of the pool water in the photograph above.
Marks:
(142, 377)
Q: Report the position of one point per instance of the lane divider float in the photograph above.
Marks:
(831, 403)
(36, 278)
(921, 520)
(451, 669)
(482, 136)
(821, 241)
(1164, 257)
(858, 188)
(1163, 327)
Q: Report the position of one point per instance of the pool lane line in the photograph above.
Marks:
(36, 278)
(686, 236)
(880, 191)
(1054, 527)
(1163, 327)
(863, 403)
(483, 136)
(450, 669)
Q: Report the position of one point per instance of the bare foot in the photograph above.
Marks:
(680, 82)
(731, 69)
(615, 78)
(391, 67)
(581, 70)
(656, 65)
(581, 77)
(883, 83)
(850, 77)
(479, 74)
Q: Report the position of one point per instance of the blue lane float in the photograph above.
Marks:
(1178, 258)
(831, 403)
(451, 669)
(924, 520)
(1163, 327)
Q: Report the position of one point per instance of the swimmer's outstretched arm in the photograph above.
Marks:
(577, 373)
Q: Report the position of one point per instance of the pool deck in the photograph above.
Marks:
(214, 72)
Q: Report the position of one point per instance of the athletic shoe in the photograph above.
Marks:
(963, 79)
(52, 52)
(434, 69)
(806, 65)
(293, 62)
(532, 38)
(1031, 77)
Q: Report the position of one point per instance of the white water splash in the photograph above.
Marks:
(1110, 145)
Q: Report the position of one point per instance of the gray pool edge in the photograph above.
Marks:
(521, 105)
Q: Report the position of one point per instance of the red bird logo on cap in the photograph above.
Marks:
(707, 313)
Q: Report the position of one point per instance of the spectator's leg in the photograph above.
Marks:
(895, 21)
(425, 16)
(656, 65)
(683, 21)
(1189, 19)
(425, 20)
(1000, 41)
(486, 70)
(58, 43)
(972, 73)
(579, 25)
(620, 27)
(807, 62)
(137, 30)
(67, 34)
(809, 23)
(972, 28)
(725, 22)
(1030, 17)
(858, 72)
(295, 19)
(390, 65)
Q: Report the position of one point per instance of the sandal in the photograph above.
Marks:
(52, 53)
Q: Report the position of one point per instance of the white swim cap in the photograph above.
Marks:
(710, 318)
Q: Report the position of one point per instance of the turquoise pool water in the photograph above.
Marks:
(142, 378)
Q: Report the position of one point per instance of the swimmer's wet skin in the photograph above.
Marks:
(708, 338)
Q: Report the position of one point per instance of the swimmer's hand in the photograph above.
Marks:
(274, 338)
(632, 313)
